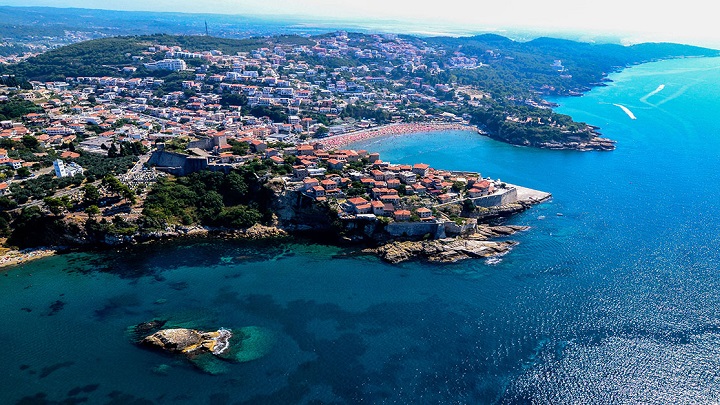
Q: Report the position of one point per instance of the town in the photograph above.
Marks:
(284, 108)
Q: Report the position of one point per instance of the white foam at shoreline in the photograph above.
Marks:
(627, 111)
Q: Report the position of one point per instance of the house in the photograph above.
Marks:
(335, 164)
(4, 189)
(407, 177)
(300, 172)
(402, 215)
(419, 189)
(258, 146)
(393, 199)
(359, 205)
(377, 175)
(393, 183)
(424, 213)
(378, 208)
(305, 150)
(445, 198)
(69, 155)
(14, 163)
(421, 169)
(69, 170)
(328, 184)
(318, 192)
(309, 183)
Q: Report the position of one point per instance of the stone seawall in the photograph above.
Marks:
(415, 229)
(509, 196)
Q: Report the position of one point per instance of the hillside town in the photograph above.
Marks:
(270, 107)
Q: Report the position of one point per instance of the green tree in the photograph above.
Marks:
(92, 211)
(55, 205)
(30, 142)
(321, 131)
(91, 194)
(23, 172)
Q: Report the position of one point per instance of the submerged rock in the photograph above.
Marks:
(248, 343)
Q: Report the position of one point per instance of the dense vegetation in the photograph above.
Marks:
(236, 200)
(518, 67)
(107, 56)
(16, 108)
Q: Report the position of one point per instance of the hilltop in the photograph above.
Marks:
(106, 56)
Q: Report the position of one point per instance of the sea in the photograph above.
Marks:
(612, 296)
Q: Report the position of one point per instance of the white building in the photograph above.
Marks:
(167, 64)
(69, 170)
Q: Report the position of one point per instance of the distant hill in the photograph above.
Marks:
(105, 56)
(532, 64)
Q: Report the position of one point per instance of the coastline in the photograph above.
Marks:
(341, 140)
(16, 257)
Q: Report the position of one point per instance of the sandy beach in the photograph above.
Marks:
(337, 141)
(15, 257)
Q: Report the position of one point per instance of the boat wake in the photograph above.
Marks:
(627, 111)
(652, 93)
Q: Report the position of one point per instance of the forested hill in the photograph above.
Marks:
(107, 56)
(530, 65)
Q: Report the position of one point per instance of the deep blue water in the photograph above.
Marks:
(615, 301)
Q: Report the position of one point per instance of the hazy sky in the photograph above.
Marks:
(687, 21)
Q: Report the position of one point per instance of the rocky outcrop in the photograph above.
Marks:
(451, 250)
(211, 352)
(596, 143)
(258, 231)
(189, 341)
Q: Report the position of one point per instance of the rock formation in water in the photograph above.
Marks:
(212, 352)
(190, 341)
(451, 250)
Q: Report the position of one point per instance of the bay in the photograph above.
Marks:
(615, 301)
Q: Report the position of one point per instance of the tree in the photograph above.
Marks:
(55, 205)
(92, 194)
(321, 132)
(240, 216)
(30, 142)
(113, 183)
(211, 204)
(113, 151)
(92, 211)
(24, 172)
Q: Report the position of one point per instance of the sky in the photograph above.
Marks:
(686, 21)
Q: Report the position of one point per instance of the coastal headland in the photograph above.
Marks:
(353, 195)
(261, 135)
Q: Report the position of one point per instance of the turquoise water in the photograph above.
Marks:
(615, 301)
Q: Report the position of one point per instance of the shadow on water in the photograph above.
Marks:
(387, 351)
(150, 260)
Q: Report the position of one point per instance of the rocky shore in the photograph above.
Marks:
(15, 257)
(450, 250)
(255, 232)
(596, 144)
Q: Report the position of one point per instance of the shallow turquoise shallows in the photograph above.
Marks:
(617, 300)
